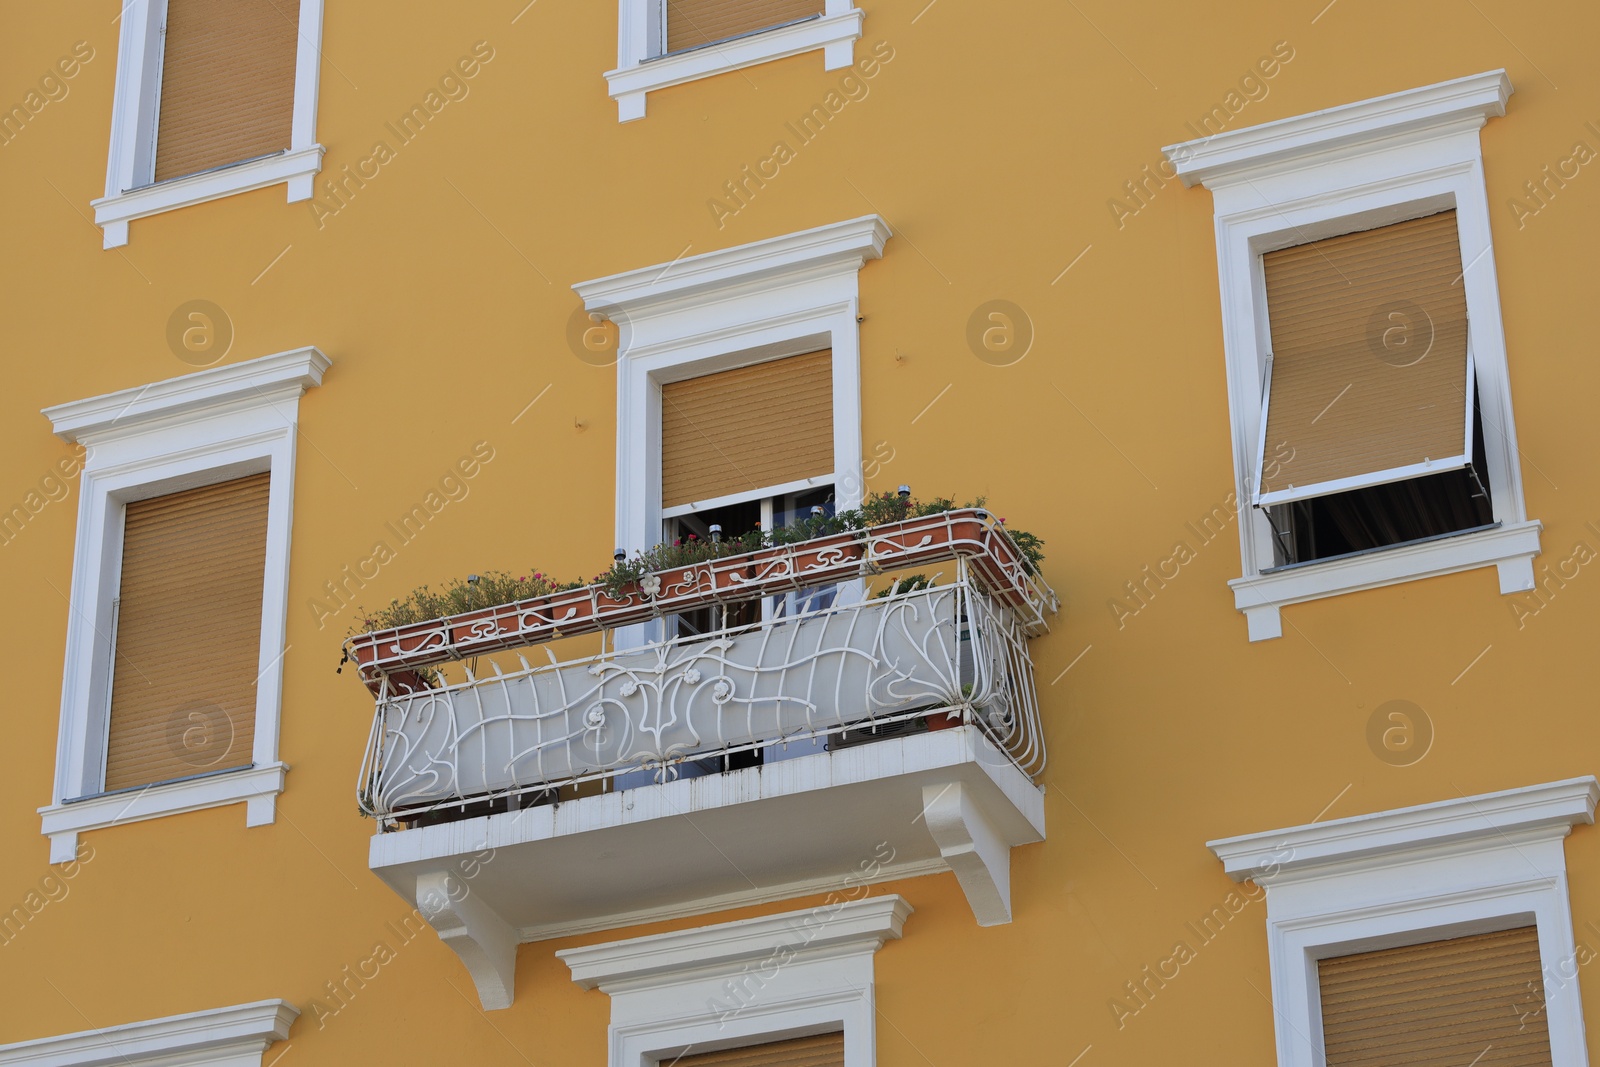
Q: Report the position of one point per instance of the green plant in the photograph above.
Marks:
(909, 584)
(494, 588)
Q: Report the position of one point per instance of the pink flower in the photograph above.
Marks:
(677, 542)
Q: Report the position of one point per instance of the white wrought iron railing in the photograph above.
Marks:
(650, 713)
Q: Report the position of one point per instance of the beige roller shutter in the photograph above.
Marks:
(188, 633)
(746, 429)
(822, 1050)
(691, 23)
(1369, 358)
(1470, 1000)
(227, 83)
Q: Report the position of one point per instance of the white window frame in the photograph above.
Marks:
(1315, 176)
(1466, 866)
(236, 1036)
(131, 189)
(787, 975)
(642, 68)
(781, 297)
(198, 429)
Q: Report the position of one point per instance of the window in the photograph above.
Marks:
(1373, 437)
(1452, 1001)
(754, 342)
(180, 705)
(1442, 930)
(1370, 414)
(798, 984)
(214, 97)
(668, 42)
(170, 700)
(748, 449)
(821, 1050)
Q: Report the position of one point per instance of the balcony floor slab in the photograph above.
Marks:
(816, 823)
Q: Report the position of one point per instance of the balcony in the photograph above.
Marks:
(883, 730)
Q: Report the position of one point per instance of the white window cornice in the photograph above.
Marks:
(1240, 155)
(745, 982)
(129, 411)
(837, 248)
(234, 1036)
(198, 429)
(864, 924)
(1552, 809)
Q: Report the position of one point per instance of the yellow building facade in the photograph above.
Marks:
(1267, 321)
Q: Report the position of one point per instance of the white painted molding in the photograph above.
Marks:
(131, 189)
(662, 957)
(474, 932)
(1276, 854)
(1511, 549)
(221, 1037)
(296, 169)
(839, 246)
(743, 983)
(734, 307)
(1344, 170)
(1458, 867)
(210, 426)
(129, 411)
(976, 852)
(254, 786)
(1234, 155)
(640, 70)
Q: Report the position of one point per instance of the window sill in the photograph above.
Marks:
(1510, 548)
(257, 787)
(297, 168)
(834, 34)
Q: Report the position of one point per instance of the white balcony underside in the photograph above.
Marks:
(811, 824)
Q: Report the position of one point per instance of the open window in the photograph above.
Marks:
(743, 450)
(1370, 432)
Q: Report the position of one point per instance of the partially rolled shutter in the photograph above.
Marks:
(821, 1050)
(188, 633)
(227, 83)
(751, 428)
(1369, 377)
(1469, 1000)
(691, 23)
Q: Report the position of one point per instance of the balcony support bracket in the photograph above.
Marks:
(483, 940)
(974, 849)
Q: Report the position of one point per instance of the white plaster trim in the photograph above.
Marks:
(641, 69)
(206, 427)
(734, 307)
(1236, 154)
(1510, 548)
(1339, 171)
(1457, 867)
(739, 983)
(131, 191)
(665, 956)
(220, 1037)
(1276, 854)
(253, 786)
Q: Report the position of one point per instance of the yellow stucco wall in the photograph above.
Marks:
(992, 138)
